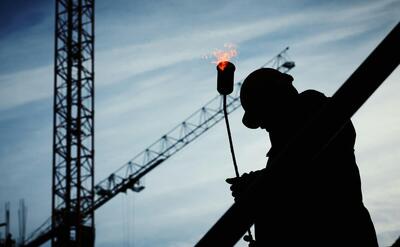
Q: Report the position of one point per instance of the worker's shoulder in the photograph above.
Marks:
(311, 93)
(312, 97)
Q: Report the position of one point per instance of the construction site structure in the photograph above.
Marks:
(130, 174)
(8, 240)
(22, 215)
(73, 126)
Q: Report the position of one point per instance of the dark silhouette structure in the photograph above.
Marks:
(10, 242)
(73, 133)
(397, 243)
(322, 199)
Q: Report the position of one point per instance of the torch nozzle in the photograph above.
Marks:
(225, 77)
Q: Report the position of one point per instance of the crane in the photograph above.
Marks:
(73, 124)
(128, 176)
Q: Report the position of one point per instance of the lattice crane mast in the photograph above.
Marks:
(128, 176)
(73, 126)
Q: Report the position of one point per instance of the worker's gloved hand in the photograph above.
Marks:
(240, 184)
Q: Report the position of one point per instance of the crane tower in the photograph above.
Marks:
(73, 129)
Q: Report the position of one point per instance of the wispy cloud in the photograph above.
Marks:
(116, 64)
(378, 152)
(25, 86)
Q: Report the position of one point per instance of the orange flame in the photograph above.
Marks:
(223, 56)
(222, 65)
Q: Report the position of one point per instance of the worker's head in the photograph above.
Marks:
(266, 95)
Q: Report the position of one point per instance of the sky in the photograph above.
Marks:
(151, 74)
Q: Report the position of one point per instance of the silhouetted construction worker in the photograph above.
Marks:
(319, 203)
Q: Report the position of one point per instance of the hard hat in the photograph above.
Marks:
(263, 88)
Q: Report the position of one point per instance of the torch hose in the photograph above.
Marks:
(231, 146)
(230, 138)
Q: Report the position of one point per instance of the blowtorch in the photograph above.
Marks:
(225, 82)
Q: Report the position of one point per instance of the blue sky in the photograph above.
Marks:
(149, 67)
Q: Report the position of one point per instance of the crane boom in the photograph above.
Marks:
(128, 176)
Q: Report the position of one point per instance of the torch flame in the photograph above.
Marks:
(223, 56)
(222, 65)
